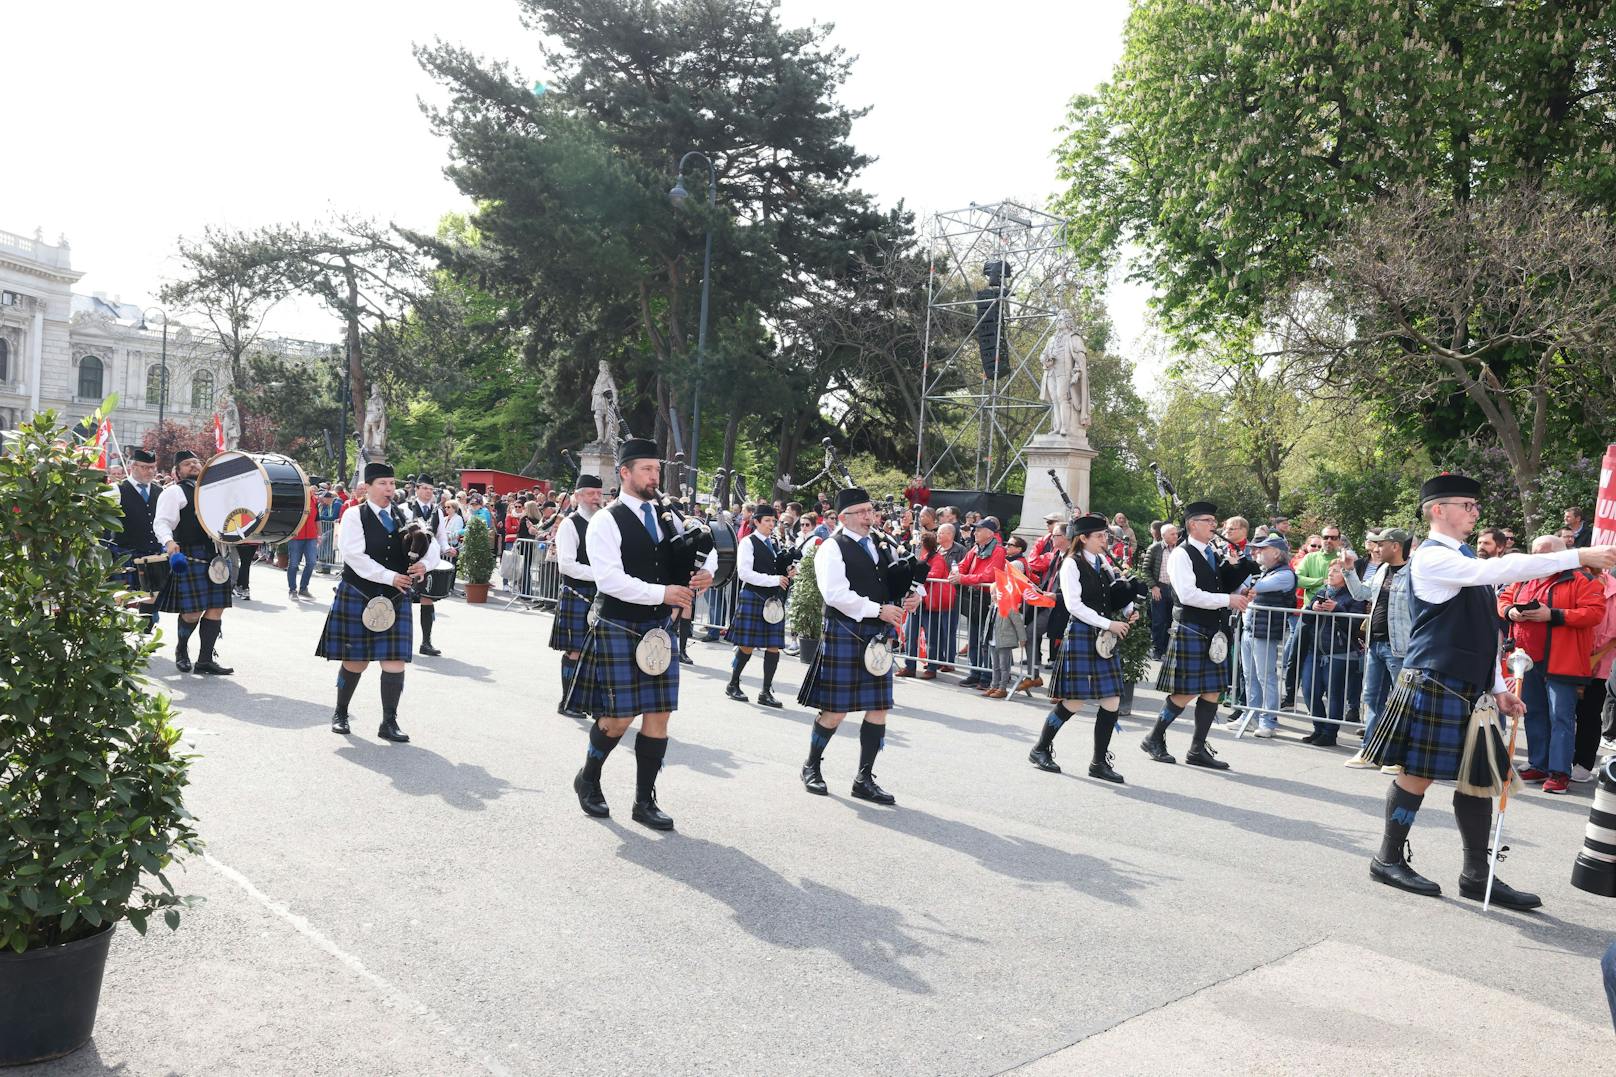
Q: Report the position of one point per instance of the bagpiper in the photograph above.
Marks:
(760, 610)
(571, 625)
(191, 591)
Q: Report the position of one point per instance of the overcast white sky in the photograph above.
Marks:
(137, 122)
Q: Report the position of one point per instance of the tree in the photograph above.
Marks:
(225, 283)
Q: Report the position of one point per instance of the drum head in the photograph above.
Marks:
(1218, 650)
(1105, 643)
(654, 653)
(878, 657)
(219, 570)
(379, 614)
(774, 611)
(232, 494)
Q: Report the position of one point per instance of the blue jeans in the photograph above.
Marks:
(1298, 677)
(299, 550)
(1161, 620)
(1341, 678)
(1608, 966)
(1259, 662)
(1551, 720)
(1380, 671)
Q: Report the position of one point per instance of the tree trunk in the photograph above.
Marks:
(356, 370)
(732, 430)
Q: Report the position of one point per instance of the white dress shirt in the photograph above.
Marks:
(420, 509)
(605, 545)
(831, 573)
(744, 556)
(1181, 574)
(351, 545)
(567, 548)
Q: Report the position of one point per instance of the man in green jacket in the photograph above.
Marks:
(1315, 567)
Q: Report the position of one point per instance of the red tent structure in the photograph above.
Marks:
(490, 481)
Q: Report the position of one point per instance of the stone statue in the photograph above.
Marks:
(604, 387)
(375, 435)
(232, 425)
(1066, 380)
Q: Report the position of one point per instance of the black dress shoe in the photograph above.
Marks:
(647, 812)
(1101, 769)
(570, 712)
(1156, 748)
(209, 666)
(1311, 738)
(766, 699)
(686, 659)
(972, 681)
(339, 723)
(590, 798)
(1403, 877)
(813, 781)
(428, 649)
(864, 788)
(1503, 894)
(1044, 759)
(390, 731)
(182, 661)
(734, 692)
(1200, 755)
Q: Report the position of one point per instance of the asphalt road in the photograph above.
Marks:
(444, 907)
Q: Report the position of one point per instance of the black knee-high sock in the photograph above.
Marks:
(1169, 711)
(685, 625)
(392, 688)
(347, 682)
(600, 746)
(817, 739)
(186, 628)
(871, 737)
(1052, 725)
(1401, 807)
(1206, 711)
(648, 753)
(210, 636)
(428, 615)
(1105, 723)
(569, 670)
(737, 665)
(1475, 818)
(771, 662)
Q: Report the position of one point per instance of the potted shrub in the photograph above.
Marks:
(805, 614)
(91, 783)
(476, 561)
(1135, 652)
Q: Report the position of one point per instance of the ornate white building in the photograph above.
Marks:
(63, 350)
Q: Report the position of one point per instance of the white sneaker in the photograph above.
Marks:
(1358, 762)
(1580, 773)
(1264, 733)
(1395, 768)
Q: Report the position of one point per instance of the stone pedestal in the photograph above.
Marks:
(601, 460)
(1070, 458)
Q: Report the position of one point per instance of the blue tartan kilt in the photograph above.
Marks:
(747, 628)
(1081, 673)
(610, 684)
(571, 624)
(346, 639)
(1188, 669)
(1423, 725)
(837, 681)
(191, 591)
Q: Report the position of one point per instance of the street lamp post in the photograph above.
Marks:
(162, 376)
(678, 196)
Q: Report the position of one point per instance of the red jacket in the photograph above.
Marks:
(311, 524)
(1561, 646)
(977, 569)
(939, 596)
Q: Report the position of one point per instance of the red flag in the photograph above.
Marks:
(103, 438)
(218, 433)
(1009, 588)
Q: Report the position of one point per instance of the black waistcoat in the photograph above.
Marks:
(867, 578)
(1208, 579)
(429, 516)
(384, 547)
(1457, 638)
(137, 536)
(763, 563)
(189, 532)
(581, 525)
(1093, 588)
(643, 559)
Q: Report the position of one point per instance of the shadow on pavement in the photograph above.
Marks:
(1014, 858)
(420, 772)
(873, 939)
(225, 697)
(452, 667)
(1541, 927)
(1249, 819)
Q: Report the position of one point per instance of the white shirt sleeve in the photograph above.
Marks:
(1071, 587)
(744, 557)
(351, 544)
(1440, 571)
(567, 553)
(605, 545)
(1181, 574)
(831, 573)
(169, 504)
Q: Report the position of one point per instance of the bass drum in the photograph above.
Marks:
(252, 497)
(724, 545)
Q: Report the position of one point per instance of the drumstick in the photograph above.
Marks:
(1519, 663)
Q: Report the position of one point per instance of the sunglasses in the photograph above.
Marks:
(1313, 546)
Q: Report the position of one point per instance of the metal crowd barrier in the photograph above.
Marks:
(1317, 663)
(326, 559)
(530, 574)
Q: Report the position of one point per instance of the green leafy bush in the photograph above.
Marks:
(806, 613)
(91, 811)
(476, 552)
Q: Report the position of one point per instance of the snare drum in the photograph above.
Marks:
(439, 583)
(252, 497)
(151, 573)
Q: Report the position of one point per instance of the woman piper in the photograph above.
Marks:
(1082, 672)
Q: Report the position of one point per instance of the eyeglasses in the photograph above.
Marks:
(1464, 506)
(1313, 546)
(1332, 538)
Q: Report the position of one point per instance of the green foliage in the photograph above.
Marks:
(91, 784)
(805, 613)
(1135, 647)
(476, 559)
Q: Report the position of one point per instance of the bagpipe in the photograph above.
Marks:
(1123, 590)
(1234, 567)
(904, 570)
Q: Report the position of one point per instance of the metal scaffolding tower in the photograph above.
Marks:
(1000, 275)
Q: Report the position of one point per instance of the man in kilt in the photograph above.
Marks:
(424, 507)
(1202, 601)
(850, 568)
(137, 497)
(571, 624)
(198, 600)
(756, 563)
(1080, 671)
(629, 550)
(374, 565)
(1452, 659)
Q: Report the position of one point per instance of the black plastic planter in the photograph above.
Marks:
(48, 998)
